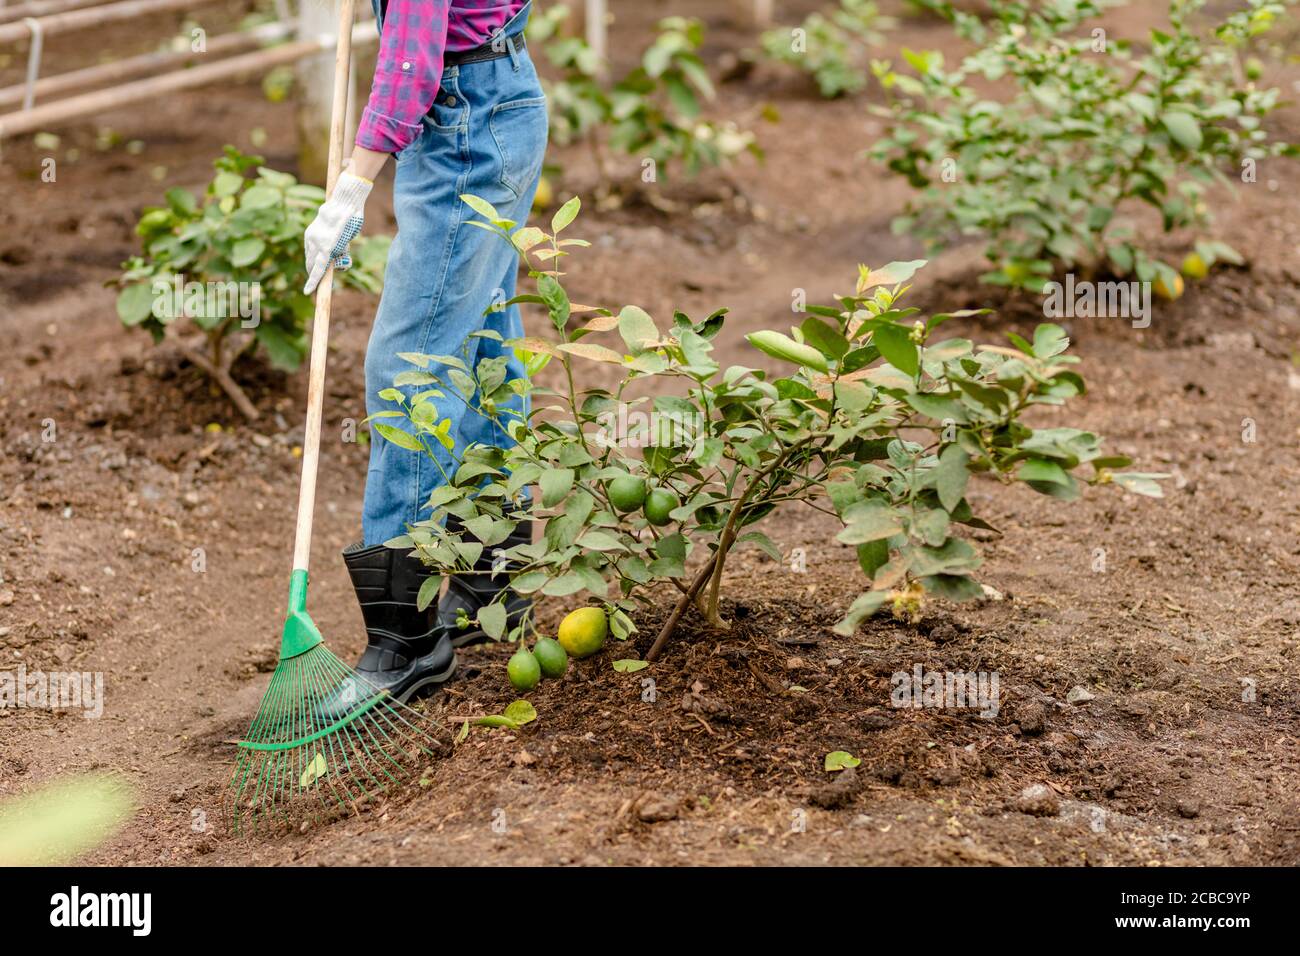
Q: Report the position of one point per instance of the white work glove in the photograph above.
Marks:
(336, 224)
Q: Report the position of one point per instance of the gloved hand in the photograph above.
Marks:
(336, 224)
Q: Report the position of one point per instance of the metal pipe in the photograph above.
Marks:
(97, 16)
(89, 104)
(144, 64)
(41, 8)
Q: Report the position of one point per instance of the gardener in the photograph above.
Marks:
(456, 99)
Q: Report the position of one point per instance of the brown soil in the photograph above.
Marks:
(1164, 610)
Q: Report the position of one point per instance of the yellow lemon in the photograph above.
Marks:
(582, 632)
(544, 196)
(1164, 291)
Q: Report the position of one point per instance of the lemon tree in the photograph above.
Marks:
(1092, 131)
(874, 418)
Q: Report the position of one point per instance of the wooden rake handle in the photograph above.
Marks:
(320, 331)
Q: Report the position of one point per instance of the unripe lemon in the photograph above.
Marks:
(1194, 267)
(523, 670)
(627, 492)
(551, 656)
(659, 505)
(582, 632)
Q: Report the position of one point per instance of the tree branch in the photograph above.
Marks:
(222, 378)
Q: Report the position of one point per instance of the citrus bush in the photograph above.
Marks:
(1091, 130)
(874, 420)
(230, 266)
(653, 112)
(831, 46)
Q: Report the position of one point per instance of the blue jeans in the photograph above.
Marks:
(485, 135)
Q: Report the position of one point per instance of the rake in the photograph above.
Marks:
(299, 759)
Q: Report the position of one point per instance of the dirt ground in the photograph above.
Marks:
(1177, 616)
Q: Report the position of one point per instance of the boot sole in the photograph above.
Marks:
(439, 678)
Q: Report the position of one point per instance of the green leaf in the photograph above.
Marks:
(314, 770)
(565, 215)
(862, 608)
(398, 437)
(869, 521)
(480, 206)
(565, 585)
(637, 328)
(555, 484)
(1040, 469)
(284, 348)
(952, 587)
(246, 252)
(821, 336)
(872, 556)
(840, 760)
(521, 712)
(892, 274)
(1139, 483)
(226, 183)
(135, 303)
(258, 196)
(629, 665)
(428, 592)
(492, 618)
(951, 476)
(763, 543)
(556, 299)
(1184, 129)
(896, 345)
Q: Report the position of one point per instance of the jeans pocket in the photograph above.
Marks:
(519, 128)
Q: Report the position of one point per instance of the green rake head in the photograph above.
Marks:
(324, 741)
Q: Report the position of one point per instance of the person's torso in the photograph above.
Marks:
(471, 23)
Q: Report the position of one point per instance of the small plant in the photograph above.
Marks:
(1092, 130)
(652, 113)
(231, 265)
(831, 47)
(875, 422)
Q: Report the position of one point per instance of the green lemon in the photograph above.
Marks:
(658, 505)
(523, 670)
(551, 656)
(626, 492)
(1194, 267)
(582, 632)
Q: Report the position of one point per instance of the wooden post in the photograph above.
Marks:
(314, 83)
(593, 24)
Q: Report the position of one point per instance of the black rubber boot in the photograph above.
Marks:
(469, 592)
(406, 652)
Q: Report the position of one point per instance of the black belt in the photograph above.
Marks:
(490, 50)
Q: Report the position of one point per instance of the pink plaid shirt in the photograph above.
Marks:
(416, 35)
